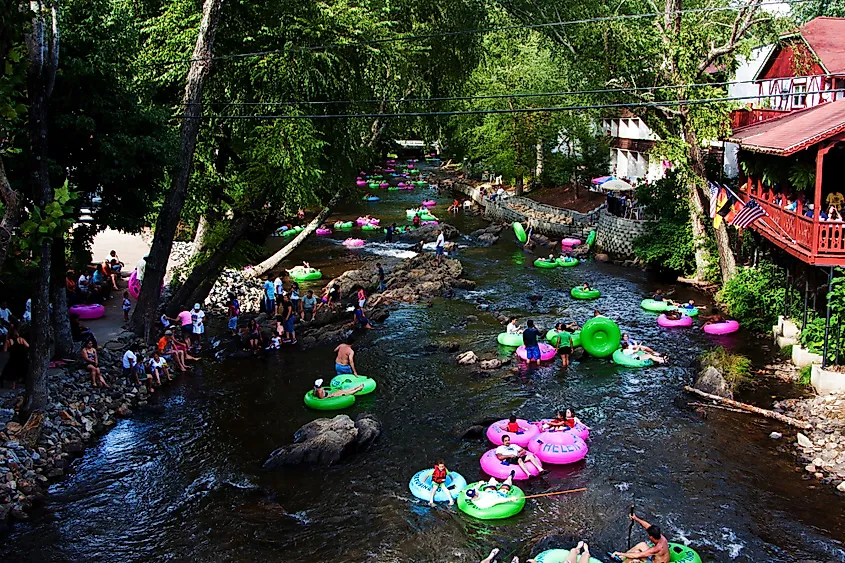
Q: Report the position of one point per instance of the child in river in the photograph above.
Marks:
(438, 481)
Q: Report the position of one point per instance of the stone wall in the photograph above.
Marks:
(546, 219)
(615, 235)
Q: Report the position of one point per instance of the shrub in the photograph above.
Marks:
(736, 369)
(804, 375)
(755, 296)
(668, 241)
(786, 351)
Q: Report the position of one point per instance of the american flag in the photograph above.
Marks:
(749, 213)
(714, 196)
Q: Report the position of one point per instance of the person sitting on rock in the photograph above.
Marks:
(275, 343)
(321, 393)
(360, 318)
(92, 364)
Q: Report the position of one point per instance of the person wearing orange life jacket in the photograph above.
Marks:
(438, 481)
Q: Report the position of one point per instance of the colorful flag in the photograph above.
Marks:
(723, 206)
(750, 212)
(714, 196)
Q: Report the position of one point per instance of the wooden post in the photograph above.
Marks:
(817, 200)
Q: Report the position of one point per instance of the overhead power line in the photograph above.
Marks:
(443, 34)
(667, 103)
(489, 96)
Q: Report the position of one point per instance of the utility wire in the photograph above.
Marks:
(384, 40)
(494, 96)
(669, 103)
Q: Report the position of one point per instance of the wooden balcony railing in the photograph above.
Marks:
(794, 232)
(745, 117)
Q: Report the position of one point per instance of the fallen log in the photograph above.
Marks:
(751, 408)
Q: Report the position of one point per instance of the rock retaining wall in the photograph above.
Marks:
(546, 219)
(616, 235)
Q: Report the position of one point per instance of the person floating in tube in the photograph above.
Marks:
(438, 481)
(510, 453)
(656, 549)
(492, 492)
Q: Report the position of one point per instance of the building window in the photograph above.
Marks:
(799, 94)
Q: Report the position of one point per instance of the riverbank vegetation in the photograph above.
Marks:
(215, 120)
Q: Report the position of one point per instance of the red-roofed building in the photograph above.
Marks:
(792, 145)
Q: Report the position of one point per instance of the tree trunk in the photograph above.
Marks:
(519, 184)
(43, 61)
(699, 233)
(199, 237)
(751, 408)
(61, 321)
(274, 260)
(204, 275)
(727, 261)
(541, 161)
(11, 214)
(171, 211)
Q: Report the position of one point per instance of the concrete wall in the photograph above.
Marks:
(615, 235)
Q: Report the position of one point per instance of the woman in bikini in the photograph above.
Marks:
(89, 356)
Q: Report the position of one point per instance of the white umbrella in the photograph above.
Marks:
(617, 186)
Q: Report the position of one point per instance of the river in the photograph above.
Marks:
(181, 480)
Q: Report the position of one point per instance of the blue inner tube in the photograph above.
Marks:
(420, 486)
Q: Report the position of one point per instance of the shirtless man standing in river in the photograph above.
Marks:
(344, 363)
(656, 550)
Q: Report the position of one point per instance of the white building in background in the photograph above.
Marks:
(631, 139)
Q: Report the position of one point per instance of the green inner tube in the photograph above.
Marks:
(554, 336)
(519, 232)
(545, 263)
(682, 554)
(373, 185)
(369, 227)
(581, 293)
(290, 232)
(600, 337)
(348, 381)
(495, 512)
(622, 359)
(567, 263)
(591, 238)
(393, 188)
(347, 225)
(654, 306)
(557, 556)
(514, 340)
(302, 275)
(329, 403)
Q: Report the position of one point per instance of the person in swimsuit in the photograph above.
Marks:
(254, 335)
(361, 319)
(715, 318)
(492, 492)
(656, 550)
(344, 363)
(92, 364)
(673, 315)
(658, 295)
(640, 354)
(512, 426)
(563, 421)
(320, 393)
(438, 481)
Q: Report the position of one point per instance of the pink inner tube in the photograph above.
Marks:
(429, 203)
(558, 448)
(323, 232)
(134, 285)
(401, 184)
(492, 466)
(361, 183)
(389, 170)
(87, 311)
(726, 327)
(429, 223)
(496, 431)
(546, 352)
(384, 185)
(580, 429)
(407, 187)
(570, 242)
(665, 321)
(353, 242)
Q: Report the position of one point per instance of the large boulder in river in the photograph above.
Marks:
(428, 233)
(711, 380)
(326, 441)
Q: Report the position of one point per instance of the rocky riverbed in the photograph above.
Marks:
(821, 449)
(40, 449)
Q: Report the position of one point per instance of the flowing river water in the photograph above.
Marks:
(182, 479)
